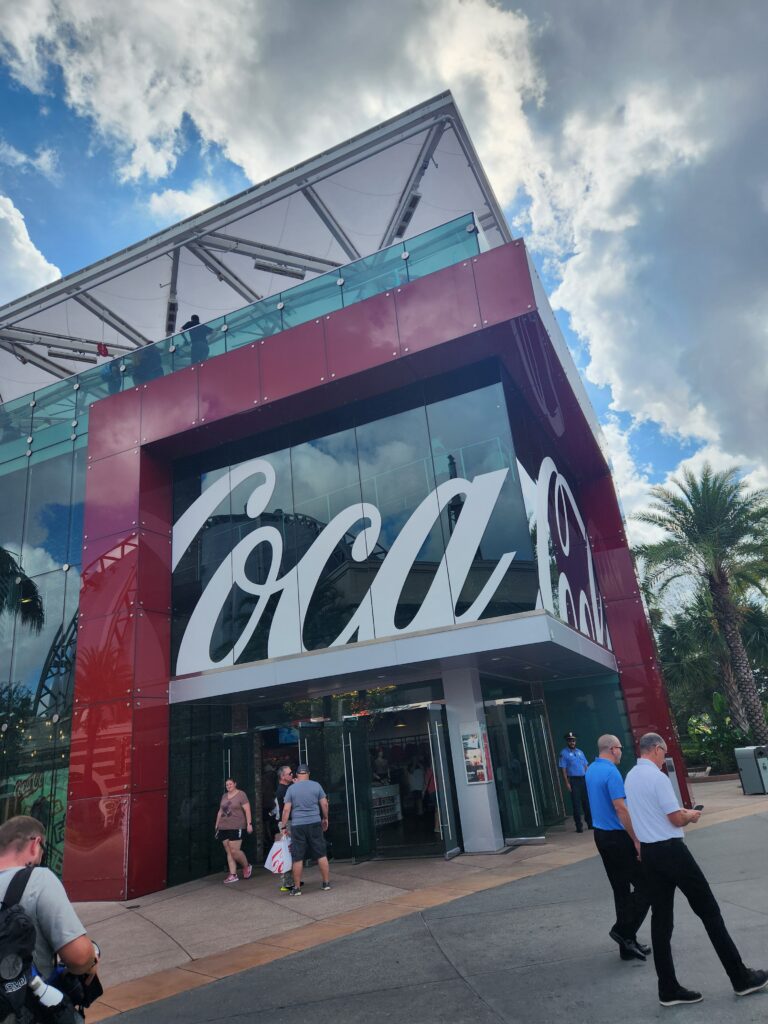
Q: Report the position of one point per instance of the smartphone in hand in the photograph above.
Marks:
(698, 807)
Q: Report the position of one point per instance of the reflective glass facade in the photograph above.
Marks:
(349, 539)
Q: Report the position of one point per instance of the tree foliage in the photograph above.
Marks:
(716, 535)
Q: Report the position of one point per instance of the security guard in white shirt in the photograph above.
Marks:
(658, 821)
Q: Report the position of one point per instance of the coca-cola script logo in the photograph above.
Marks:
(565, 558)
(380, 603)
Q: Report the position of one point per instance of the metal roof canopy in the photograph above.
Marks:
(405, 176)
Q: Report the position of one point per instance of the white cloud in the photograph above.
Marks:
(273, 84)
(22, 266)
(45, 160)
(173, 204)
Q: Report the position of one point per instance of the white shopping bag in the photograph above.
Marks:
(279, 861)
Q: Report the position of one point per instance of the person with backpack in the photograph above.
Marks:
(38, 925)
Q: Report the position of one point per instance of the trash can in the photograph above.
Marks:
(752, 763)
(761, 756)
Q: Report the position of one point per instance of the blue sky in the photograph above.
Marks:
(623, 145)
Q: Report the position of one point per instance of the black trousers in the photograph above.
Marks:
(627, 877)
(579, 800)
(669, 865)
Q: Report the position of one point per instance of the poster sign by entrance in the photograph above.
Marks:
(477, 758)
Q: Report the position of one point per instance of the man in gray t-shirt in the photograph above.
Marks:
(59, 930)
(306, 805)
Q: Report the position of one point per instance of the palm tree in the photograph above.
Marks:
(696, 662)
(19, 594)
(716, 534)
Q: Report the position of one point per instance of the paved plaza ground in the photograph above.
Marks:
(521, 937)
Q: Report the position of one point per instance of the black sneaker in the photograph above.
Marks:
(752, 981)
(326, 886)
(294, 891)
(632, 951)
(680, 996)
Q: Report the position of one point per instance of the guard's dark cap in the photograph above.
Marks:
(303, 769)
(570, 735)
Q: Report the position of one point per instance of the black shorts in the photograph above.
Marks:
(230, 833)
(308, 841)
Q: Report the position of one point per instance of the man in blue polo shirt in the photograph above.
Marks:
(573, 764)
(618, 847)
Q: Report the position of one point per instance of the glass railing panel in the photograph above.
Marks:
(54, 417)
(148, 363)
(15, 426)
(261, 320)
(312, 299)
(442, 247)
(373, 274)
(198, 343)
(95, 384)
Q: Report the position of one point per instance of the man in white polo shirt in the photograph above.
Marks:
(658, 821)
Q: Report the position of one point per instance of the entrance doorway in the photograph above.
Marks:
(524, 767)
(388, 781)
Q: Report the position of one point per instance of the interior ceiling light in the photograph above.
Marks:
(399, 723)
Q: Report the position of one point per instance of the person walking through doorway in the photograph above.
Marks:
(306, 807)
(573, 764)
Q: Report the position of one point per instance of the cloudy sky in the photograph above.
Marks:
(627, 143)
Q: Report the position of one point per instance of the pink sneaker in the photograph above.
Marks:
(230, 879)
(247, 872)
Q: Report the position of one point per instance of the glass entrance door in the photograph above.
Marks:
(337, 756)
(446, 817)
(542, 762)
(520, 810)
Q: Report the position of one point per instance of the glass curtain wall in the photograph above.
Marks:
(376, 474)
(42, 481)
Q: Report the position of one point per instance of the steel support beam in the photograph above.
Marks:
(172, 309)
(427, 151)
(330, 222)
(77, 357)
(268, 253)
(222, 271)
(111, 319)
(22, 336)
(34, 359)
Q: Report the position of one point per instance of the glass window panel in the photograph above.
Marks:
(211, 548)
(13, 488)
(47, 515)
(77, 504)
(374, 274)
(198, 343)
(259, 320)
(397, 475)
(311, 300)
(32, 649)
(53, 415)
(441, 247)
(278, 513)
(470, 436)
(15, 426)
(326, 482)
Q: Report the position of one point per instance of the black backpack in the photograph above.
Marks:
(17, 944)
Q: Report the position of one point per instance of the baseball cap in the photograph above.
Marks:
(303, 769)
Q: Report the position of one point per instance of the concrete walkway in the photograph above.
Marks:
(187, 937)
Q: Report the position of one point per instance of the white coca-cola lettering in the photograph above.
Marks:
(296, 587)
(555, 502)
